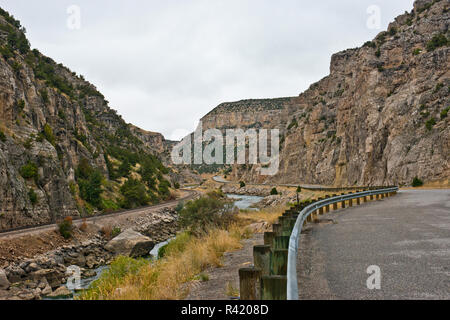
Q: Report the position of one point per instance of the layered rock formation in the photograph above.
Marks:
(380, 117)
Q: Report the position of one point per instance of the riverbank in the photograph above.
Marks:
(35, 266)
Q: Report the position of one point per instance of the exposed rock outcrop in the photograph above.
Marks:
(379, 118)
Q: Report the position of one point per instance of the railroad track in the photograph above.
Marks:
(78, 221)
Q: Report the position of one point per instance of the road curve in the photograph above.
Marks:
(96, 219)
(407, 236)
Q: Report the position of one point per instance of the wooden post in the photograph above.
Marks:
(321, 208)
(335, 205)
(314, 216)
(358, 201)
(343, 202)
(371, 197)
(278, 262)
(277, 229)
(327, 207)
(261, 258)
(268, 238)
(350, 202)
(249, 283)
(365, 199)
(274, 288)
(281, 242)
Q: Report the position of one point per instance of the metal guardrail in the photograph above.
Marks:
(292, 281)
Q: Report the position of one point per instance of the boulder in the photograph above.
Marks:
(53, 277)
(60, 293)
(130, 243)
(4, 282)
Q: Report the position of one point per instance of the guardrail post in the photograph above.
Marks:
(249, 283)
(350, 202)
(261, 258)
(314, 216)
(371, 197)
(358, 201)
(274, 288)
(278, 262)
(268, 238)
(321, 208)
(277, 229)
(281, 242)
(327, 207)
(335, 205)
(343, 202)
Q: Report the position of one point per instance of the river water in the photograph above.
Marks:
(241, 201)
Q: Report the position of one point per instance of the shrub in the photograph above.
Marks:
(66, 228)
(378, 53)
(444, 113)
(274, 192)
(84, 225)
(299, 189)
(179, 206)
(208, 212)
(115, 232)
(33, 196)
(430, 123)
(417, 51)
(242, 184)
(48, 134)
(437, 41)
(29, 171)
(2, 136)
(44, 95)
(134, 194)
(28, 143)
(417, 182)
(176, 185)
(89, 183)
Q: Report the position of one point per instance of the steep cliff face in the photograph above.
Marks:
(51, 120)
(380, 117)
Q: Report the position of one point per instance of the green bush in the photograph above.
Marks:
(430, 123)
(274, 192)
(115, 232)
(90, 183)
(378, 53)
(437, 41)
(48, 134)
(66, 228)
(242, 184)
(417, 182)
(33, 196)
(134, 194)
(2, 136)
(417, 51)
(179, 206)
(213, 210)
(29, 171)
(444, 113)
(44, 95)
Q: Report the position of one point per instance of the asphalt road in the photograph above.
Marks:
(407, 236)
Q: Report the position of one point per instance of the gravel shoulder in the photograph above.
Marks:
(215, 288)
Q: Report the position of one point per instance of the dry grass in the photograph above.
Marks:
(269, 215)
(130, 279)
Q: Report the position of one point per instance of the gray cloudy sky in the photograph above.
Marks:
(165, 64)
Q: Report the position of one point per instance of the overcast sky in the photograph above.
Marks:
(164, 64)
